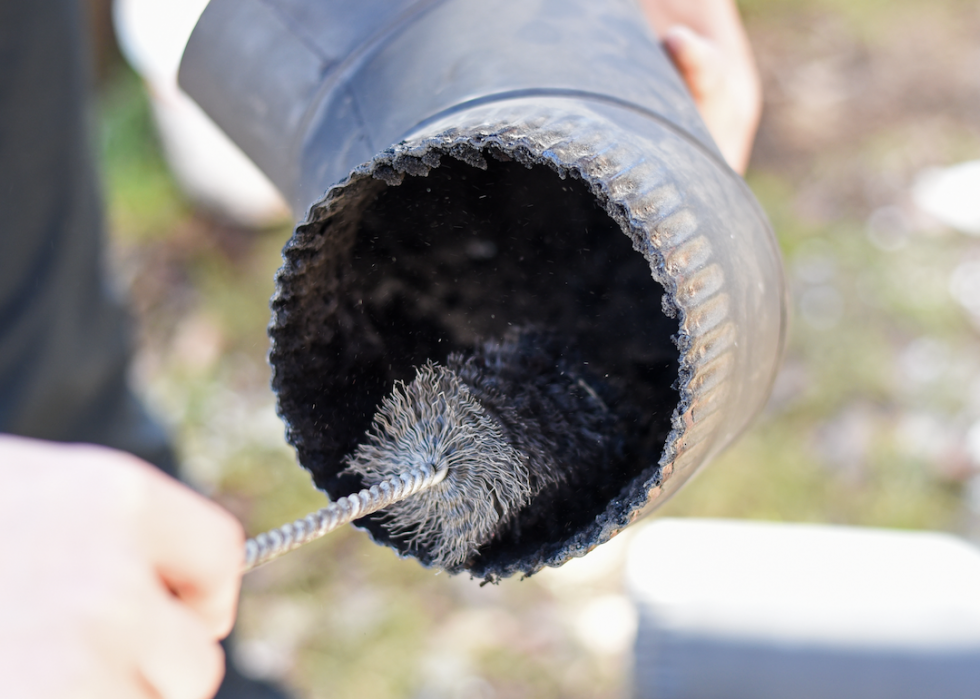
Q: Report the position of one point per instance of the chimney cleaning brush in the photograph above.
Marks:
(454, 455)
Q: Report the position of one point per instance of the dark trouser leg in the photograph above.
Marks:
(64, 342)
(63, 338)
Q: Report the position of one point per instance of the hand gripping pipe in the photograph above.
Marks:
(521, 193)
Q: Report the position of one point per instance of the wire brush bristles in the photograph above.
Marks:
(435, 420)
(513, 421)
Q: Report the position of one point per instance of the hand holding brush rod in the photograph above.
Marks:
(455, 453)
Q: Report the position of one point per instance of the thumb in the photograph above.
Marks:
(696, 58)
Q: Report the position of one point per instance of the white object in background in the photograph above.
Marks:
(951, 196)
(211, 169)
(734, 609)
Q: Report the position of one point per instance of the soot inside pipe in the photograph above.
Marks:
(440, 265)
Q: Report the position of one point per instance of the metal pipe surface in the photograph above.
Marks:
(461, 168)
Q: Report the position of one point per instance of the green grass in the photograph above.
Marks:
(143, 201)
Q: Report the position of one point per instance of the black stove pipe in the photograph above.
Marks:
(463, 167)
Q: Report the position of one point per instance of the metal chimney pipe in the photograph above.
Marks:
(462, 168)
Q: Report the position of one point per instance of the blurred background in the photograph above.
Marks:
(874, 420)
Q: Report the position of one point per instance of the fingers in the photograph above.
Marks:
(716, 20)
(708, 45)
(145, 643)
(198, 550)
(726, 91)
(180, 659)
(124, 585)
(699, 62)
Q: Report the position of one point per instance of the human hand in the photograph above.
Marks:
(707, 43)
(115, 580)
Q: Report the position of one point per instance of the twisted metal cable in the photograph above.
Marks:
(272, 544)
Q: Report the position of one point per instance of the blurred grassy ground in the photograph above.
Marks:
(869, 422)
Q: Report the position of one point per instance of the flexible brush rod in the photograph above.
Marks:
(272, 544)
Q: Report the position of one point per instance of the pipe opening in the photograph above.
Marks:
(400, 274)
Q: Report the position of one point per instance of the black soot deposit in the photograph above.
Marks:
(471, 267)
